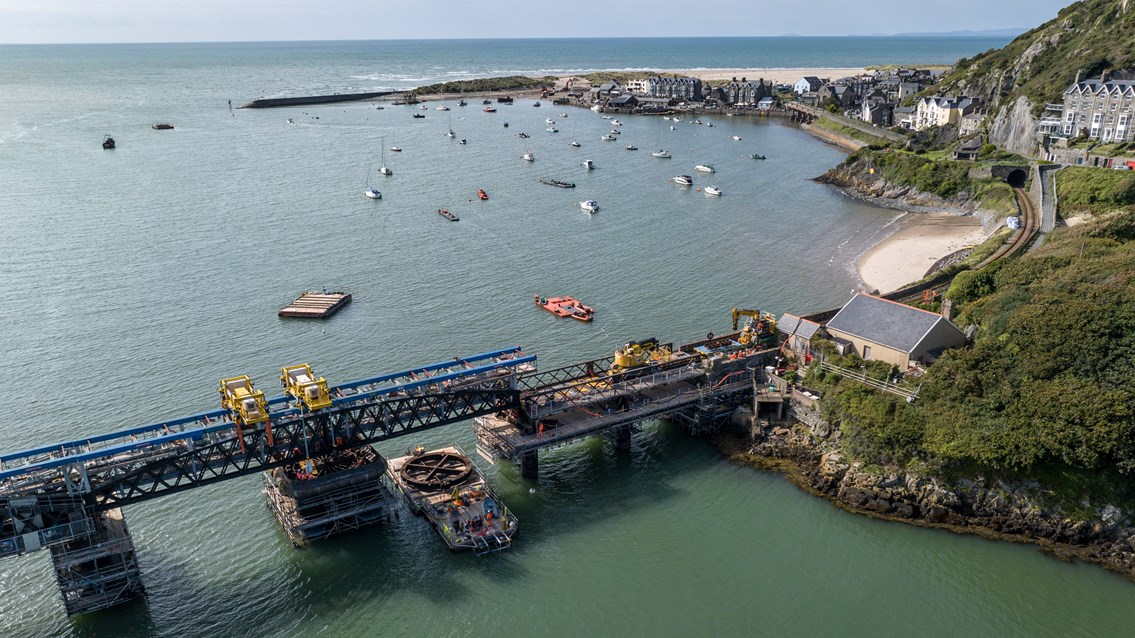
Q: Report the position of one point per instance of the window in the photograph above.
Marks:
(866, 353)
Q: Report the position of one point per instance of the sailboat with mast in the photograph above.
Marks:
(384, 169)
(371, 191)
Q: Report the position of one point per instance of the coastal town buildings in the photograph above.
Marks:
(684, 89)
(937, 110)
(807, 84)
(1100, 109)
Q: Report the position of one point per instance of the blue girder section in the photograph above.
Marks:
(199, 426)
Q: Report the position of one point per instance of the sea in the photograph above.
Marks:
(132, 280)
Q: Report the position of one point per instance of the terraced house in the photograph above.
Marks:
(688, 89)
(1100, 109)
(939, 111)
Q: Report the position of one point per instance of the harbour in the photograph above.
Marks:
(593, 508)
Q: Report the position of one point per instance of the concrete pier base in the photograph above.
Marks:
(622, 438)
(530, 465)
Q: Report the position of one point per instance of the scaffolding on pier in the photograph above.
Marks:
(98, 569)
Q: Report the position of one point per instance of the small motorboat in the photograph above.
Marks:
(418, 116)
(552, 129)
(709, 124)
(736, 138)
(451, 134)
(522, 135)
(373, 193)
(631, 147)
(385, 170)
(563, 114)
(504, 100)
(756, 156)
(677, 119)
(536, 103)
(588, 164)
(291, 121)
(682, 180)
(697, 121)
(608, 138)
(486, 101)
(661, 153)
(506, 124)
(162, 126)
(461, 141)
(108, 142)
(396, 149)
(482, 194)
(422, 107)
(704, 168)
(605, 117)
(556, 182)
(448, 215)
(549, 121)
(573, 143)
(441, 107)
(380, 108)
(565, 307)
(462, 103)
(712, 190)
(615, 131)
(589, 205)
(529, 157)
(616, 123)
(673, 128)
(490, 109)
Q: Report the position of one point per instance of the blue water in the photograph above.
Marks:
(131, 281)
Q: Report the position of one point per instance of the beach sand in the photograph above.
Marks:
(905, 256)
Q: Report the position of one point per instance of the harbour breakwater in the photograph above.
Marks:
(314, 99)
(809, 454)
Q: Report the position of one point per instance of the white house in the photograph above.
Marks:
(806, 84)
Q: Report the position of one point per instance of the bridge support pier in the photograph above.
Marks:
(98, 570)
(623, 438)
(530, 465)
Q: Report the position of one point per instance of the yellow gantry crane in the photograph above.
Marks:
(300, 383)
(757, 328)
(246, 404)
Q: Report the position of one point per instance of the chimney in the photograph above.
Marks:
(744, 80)
(1105, 76)
(1079, 76)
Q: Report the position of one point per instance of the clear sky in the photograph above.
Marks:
(42, 21)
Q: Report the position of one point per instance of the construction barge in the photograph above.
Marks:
(447, 488)
(316, 305)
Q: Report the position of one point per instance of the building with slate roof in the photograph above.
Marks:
(1102, 109)
(878, 329)
(796, 333)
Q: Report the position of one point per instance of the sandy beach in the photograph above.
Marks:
(905, 256)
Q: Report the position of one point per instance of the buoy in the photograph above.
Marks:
(531, 490)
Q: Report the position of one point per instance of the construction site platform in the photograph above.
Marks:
(316, 305)
(447, 488)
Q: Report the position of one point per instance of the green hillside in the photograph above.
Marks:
(1091, 35)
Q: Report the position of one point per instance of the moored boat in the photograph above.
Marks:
(631, 147)
(608, 138)
(162, 126)
(589, 205)
(736, 138)
(461, 103)
(565, 307)
(705, 168)
(556, 182)
(552, 129)
(108, 142)
(573, 143)
(373, 193)
(448, 215)
(756, 156)
(490, 109)
(682, 180)
(529, 157)
(588, 164)
(664, 154)
(712, 190)
(418, 116)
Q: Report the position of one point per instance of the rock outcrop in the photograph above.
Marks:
(992, 509)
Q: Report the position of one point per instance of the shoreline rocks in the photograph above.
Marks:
(995, 510)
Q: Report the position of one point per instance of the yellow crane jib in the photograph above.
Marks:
(743, 312)
(247, 404)
(300, 382)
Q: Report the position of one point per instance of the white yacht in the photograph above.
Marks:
(574, 143)
(704, 168)
(552, 129)
(549, 121)
(736, 138)
(664, 154)
(616, 123)
(608, 138)
(682, 180)
(373, 193)
(588, 164)
(589, 205)
(529, 157)
(712, 190)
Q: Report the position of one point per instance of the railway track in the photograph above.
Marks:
(1028, 229)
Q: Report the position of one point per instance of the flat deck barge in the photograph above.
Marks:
(447, 488)
(316, 305)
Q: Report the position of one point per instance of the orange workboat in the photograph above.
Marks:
(565, 307)
(482, 194)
